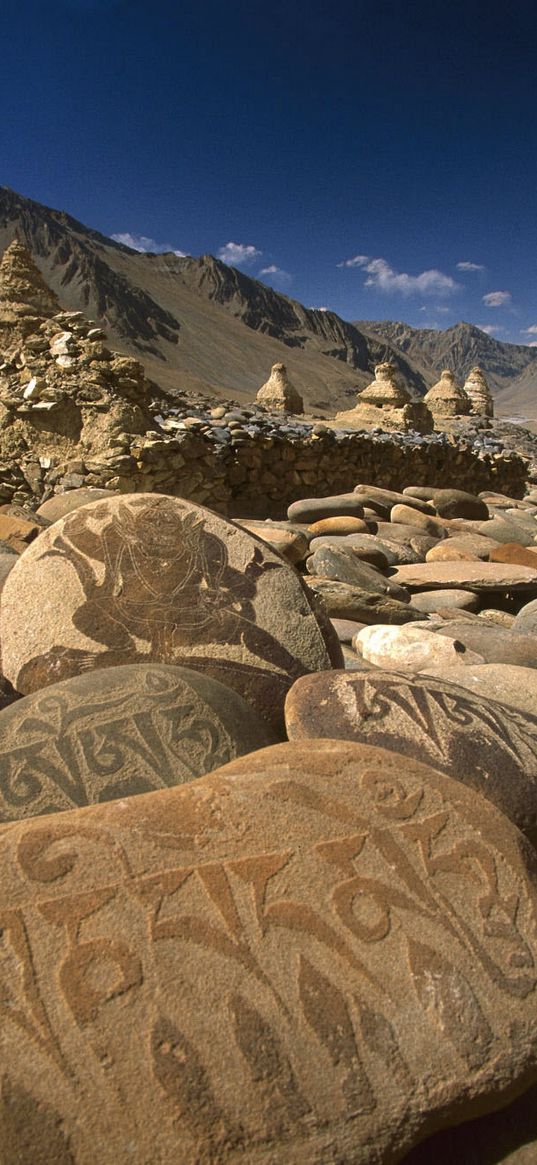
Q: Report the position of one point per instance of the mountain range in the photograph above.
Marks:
(201, 326)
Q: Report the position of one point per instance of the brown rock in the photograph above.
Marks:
(343, 601)
(445, 552)
(313, 509)
(62, 504)
(462, 547)
(431, 601)
(482, 576)
(367, 551)
(292, 545)
(345, 629)
(477, 741)
(147, 577)
(502, 682)
(515, 553)
(424, 523)
(17, 533)
(302, 958)
(456, 503)
(495, 644)
(335, 562)
(118, 732)
(338, 526)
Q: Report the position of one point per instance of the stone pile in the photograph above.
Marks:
(219, 944)
(278, 394)
(447, 399)
(387, 403)
(74, 414)
(305, 950)
(477, 389)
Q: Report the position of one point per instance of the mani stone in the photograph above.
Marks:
(477, 389)
(146, 577)
(279, 394)
(487, 746)
(386, 403)
(446, 398)
(526, 620)
(118, 732)
(334, 562)
(302, 957)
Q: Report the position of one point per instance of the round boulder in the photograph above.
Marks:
(482, 743)
(146, 577)
(119, 732)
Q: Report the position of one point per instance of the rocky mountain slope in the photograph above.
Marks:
(201, 326)
(511, 369)
(197, 324)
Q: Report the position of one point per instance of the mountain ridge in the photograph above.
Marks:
(200, 325)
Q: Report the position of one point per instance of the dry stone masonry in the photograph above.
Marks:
(215, 948)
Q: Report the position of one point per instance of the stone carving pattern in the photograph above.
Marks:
(273, 969)
(65, 744)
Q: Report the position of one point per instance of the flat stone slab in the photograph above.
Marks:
(342, 565)
(344, 601)
(147, 577)
(298, 958)
(481, 742)
(118, 732)
(481, 576)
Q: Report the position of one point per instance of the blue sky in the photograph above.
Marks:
(378, 158)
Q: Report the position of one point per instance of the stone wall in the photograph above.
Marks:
(260, 475)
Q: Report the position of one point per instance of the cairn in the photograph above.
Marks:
(278, 394)
(446, 398)
(387, 404)
(477, 389)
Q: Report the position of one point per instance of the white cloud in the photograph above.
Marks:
(143, 243)
(530, 331)
(533, 344)
(382, 276)
(239, 254)
(490, 329)
(467, 266)
(277, 273)
(320, 309)
(497, 298)
(357, 261)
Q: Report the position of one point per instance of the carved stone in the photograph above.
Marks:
(118, 732)
(149, 577)
(294, 959)
(480, 742)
